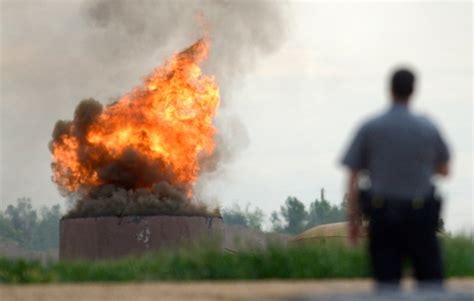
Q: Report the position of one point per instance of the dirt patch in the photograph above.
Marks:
(200, 291)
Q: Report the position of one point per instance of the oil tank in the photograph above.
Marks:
(115, 237)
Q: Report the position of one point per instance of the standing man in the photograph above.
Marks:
(399, 152)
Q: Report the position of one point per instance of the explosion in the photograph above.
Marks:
(157, 133)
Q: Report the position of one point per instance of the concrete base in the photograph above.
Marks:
(114, 237)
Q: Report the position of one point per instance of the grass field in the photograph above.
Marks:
(276, 262)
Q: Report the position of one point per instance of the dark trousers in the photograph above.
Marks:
(400, 230)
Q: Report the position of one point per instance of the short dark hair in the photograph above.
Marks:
(403, 82)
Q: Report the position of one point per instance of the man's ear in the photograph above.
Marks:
(443, 169)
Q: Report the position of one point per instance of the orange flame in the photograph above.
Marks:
(167, 119)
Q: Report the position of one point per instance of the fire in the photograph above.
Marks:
(157, 132)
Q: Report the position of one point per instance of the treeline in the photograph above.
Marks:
(292, 217)
(38, 229)
(31, 229)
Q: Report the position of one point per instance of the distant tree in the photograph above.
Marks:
(6, 229)
(255, 218)
(46, 234)
(277, 225)
(21, 223)
(23, 220)
(322, 212)
(244, 217)
(294, 213)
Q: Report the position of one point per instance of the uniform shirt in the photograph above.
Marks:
(400, 151)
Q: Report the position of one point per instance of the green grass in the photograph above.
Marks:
(302, 262)
(459, 256)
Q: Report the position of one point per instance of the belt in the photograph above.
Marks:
(369, 201)
(416, 203)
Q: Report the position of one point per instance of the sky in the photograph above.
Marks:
(298, 104)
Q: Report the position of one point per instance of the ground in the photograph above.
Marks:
(206, 291)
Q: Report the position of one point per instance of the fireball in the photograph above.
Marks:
(156, 133)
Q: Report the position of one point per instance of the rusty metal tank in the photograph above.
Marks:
(115, 237)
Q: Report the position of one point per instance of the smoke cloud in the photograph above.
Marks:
(241, 31)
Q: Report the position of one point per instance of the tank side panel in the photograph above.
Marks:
(115, 237)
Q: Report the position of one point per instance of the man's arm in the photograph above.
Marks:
(355, 159)
(353, 210)
(442, 155)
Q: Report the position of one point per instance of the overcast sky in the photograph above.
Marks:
(299, 104)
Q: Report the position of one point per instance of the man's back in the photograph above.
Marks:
(402, 153)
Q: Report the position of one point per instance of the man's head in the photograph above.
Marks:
(402, 85)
